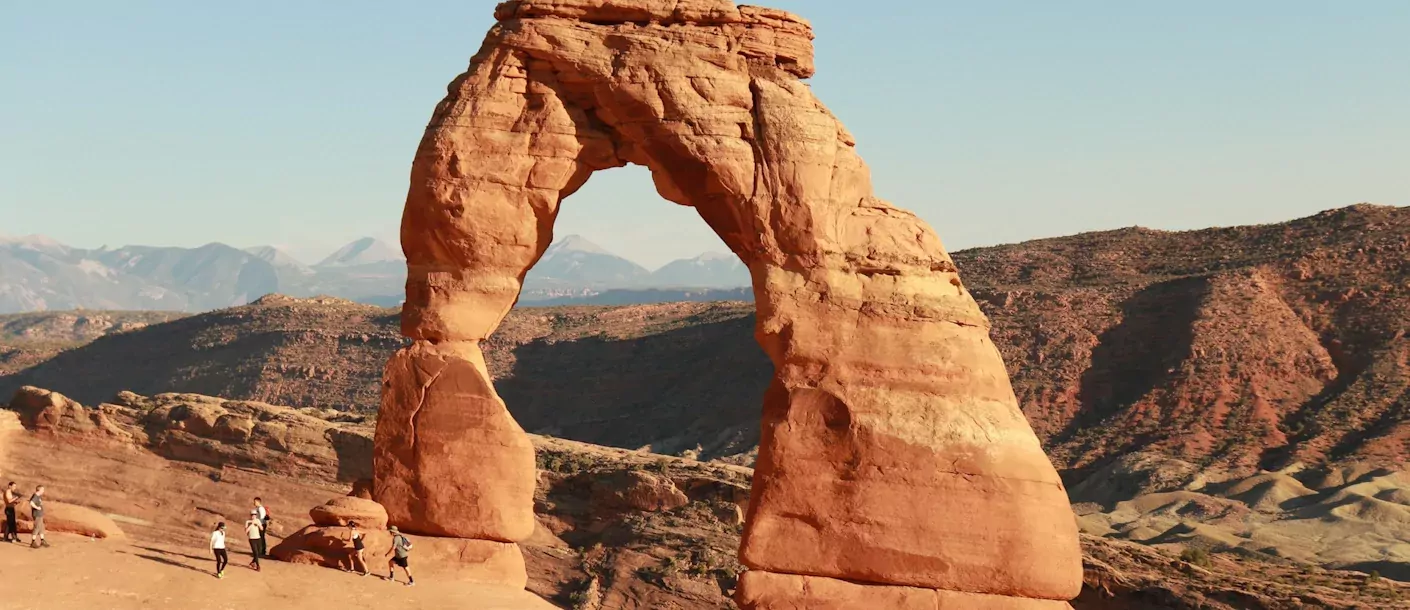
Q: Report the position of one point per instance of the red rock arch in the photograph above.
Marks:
(893, 451)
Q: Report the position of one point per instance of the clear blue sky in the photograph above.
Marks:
(294, 123)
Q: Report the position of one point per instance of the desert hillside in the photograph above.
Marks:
(1227, 350)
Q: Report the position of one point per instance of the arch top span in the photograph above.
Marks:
(892, 452)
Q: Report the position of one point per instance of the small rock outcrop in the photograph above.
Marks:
(328, 543)
(638, 491)
(893, 453)
(310, 442)
(47, 411)
(72, 519)
(350, 509)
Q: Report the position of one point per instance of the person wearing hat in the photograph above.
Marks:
(400, 553)
(254, 531)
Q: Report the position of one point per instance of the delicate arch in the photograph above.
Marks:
(893, 451)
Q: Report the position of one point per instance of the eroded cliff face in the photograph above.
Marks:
(893, 451)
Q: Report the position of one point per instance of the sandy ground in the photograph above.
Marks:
(167, 509)
(77, 573)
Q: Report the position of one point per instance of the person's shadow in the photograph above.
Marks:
(170, 562)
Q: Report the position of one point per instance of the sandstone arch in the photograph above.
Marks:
(894, 462)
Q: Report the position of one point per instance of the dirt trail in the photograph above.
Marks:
(78, 573)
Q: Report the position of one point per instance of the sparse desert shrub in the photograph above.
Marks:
(1195, 556)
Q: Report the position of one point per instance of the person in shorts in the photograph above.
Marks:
(356, 561)
(36, 511)
(12, 502)
(401, 555)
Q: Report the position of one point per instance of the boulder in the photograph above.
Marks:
(47, 411)
(342, 510)
(71, 519)
(637, 490)
(464, 560)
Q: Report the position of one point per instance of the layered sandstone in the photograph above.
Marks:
(71, 519)
(328, 543)
(893, 451)
(214, 431)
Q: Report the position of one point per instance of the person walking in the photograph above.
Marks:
(264, 526)
(222, 559)
(36, 510)
(264, 519)
(356, 559)
(12, 500)
(255, 533)
(401, 555)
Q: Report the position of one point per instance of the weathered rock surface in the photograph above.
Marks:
(71, 519)
(343, 510)
(213, 431)
(328, 543)
(47, 411)
(450, 460)
(893, 451)
(766, 590)
(637, 490)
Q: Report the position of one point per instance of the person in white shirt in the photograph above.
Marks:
(218, 547)
(254, 530)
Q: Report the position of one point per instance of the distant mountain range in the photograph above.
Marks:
(38, 273)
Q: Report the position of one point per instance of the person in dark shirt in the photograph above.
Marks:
(36, 510)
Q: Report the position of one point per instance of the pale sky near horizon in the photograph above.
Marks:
(294, 123)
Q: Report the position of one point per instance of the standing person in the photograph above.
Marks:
(264, 520)
(255, 533)
(12, 500)
(401, 553)
(36, 510)
(357, 561)
(222, 559)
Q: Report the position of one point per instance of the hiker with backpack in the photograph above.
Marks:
(400, 554)
(264, 520)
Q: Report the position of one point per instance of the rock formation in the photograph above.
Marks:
(893, 452)
(327, 543)
(209, 430)
(71, 519)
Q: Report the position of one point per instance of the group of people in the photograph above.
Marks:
(11, 531)
(256, 529)
(257, 526)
